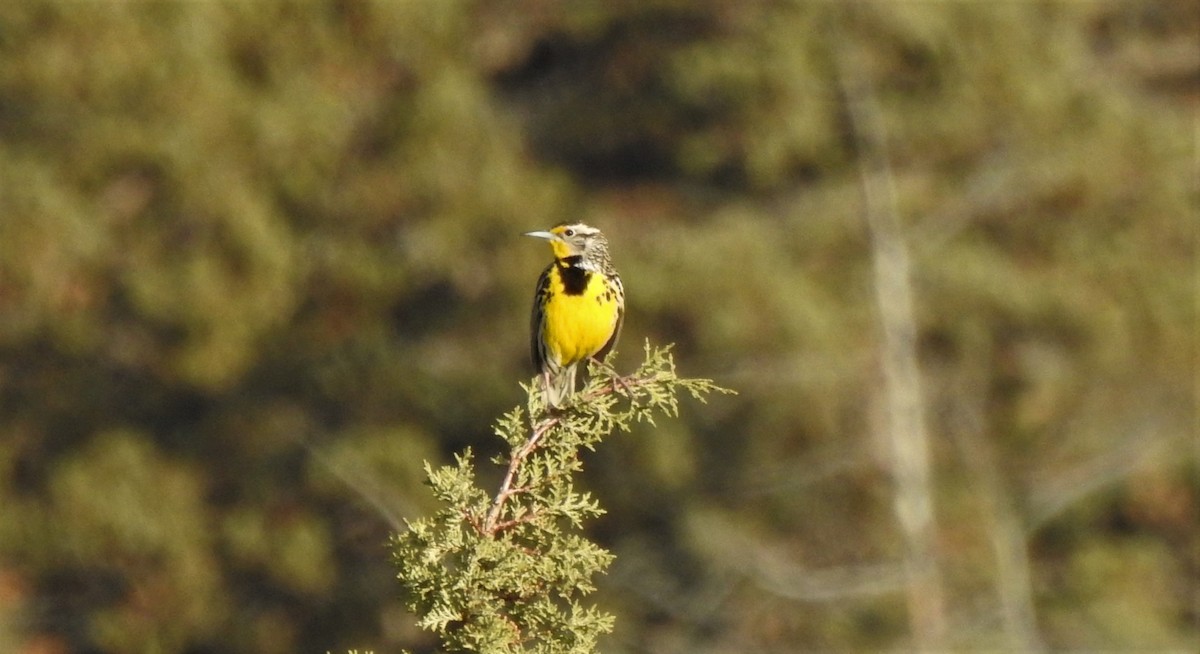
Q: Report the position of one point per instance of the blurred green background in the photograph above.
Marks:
(258, 260)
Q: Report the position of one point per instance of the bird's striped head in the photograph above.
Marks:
(570, 240)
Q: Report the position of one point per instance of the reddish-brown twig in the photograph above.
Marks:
(491, 523)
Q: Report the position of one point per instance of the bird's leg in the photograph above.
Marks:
(616, 376)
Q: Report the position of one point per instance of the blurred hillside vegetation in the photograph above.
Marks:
(259, 260)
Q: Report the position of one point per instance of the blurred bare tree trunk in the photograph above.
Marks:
(905, 428)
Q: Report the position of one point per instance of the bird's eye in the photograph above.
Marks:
(569, 232)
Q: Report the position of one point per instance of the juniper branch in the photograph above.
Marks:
(634, 387)
(489, 526)
(503, 572)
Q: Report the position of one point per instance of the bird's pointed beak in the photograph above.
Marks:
(546, 235)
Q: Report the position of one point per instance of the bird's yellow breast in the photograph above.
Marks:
(576, 326)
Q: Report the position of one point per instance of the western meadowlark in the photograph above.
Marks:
(578, 308)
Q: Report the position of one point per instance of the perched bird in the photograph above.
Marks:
(578, 307)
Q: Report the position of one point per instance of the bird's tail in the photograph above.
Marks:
(560, 384)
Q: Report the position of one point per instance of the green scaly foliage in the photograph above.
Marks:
(504, 572)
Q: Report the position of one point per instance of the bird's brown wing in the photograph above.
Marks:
(537, 345)
(612, 340)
